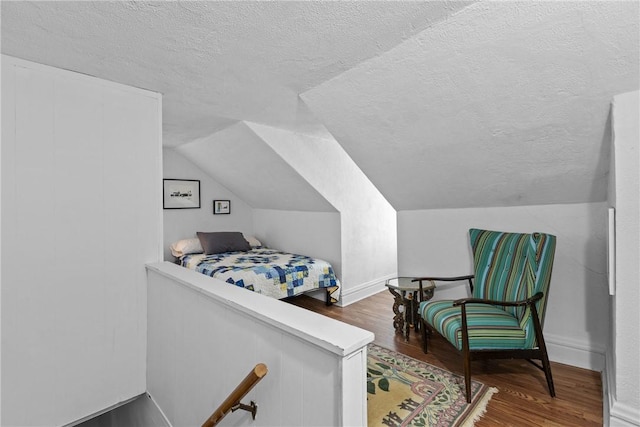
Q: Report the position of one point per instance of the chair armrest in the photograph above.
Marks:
(527, 301)
(443, 279)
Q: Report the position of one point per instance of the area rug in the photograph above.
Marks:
(402, 391)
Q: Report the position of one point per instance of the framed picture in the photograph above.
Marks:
(181, 194)
(221, 207)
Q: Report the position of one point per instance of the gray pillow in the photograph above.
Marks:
(222, 241)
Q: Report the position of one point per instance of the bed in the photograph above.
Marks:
(267, 271)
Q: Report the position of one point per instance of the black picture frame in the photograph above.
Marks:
(181, 194)
(221, 207)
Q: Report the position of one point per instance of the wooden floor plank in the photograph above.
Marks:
(523, 398)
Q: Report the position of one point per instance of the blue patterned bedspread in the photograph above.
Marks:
(269, 272)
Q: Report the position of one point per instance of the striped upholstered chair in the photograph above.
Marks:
(503, 319)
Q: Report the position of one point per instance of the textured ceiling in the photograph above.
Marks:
(505, 103)
(215, 62)
(442, 104)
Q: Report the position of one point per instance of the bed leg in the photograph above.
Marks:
(328, 302)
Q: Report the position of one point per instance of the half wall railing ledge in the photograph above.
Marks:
(317, 365)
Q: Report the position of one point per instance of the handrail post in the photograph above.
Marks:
(232, 402)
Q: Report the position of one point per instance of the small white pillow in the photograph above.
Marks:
(185, 247)
(253, 242)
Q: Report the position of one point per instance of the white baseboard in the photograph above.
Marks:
(622, 415)
(575, 353)
(607, 386)
(355, 294)
(614, 413)
(164, 416)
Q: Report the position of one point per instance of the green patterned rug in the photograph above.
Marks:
(403, 391)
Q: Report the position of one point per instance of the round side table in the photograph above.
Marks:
(406, 302)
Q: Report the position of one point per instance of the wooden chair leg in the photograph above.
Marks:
(542, 346)
(547, 372)
(423, 328)
(467, 373)
(466, 353)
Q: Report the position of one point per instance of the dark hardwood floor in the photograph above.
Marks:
(523, 398)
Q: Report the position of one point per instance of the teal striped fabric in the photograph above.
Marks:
(541, 252)
(507, 267)
(489, 326)
(499, 260)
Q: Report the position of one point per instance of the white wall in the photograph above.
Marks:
(315, 234)
(81, 197)
(436, 242)
(5, 128)
(367, 220)
(205, 336)
(240, 160)
(623, 364)
(184, 223)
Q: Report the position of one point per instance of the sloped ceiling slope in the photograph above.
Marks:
(262, 179)
(442, 104)
(505, 103)
(215, 63)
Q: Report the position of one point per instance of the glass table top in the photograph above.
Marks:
(406, 284)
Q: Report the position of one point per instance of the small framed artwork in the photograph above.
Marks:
(221, 207)
(181, 194)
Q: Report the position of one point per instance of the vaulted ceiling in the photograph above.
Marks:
(440, 103)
